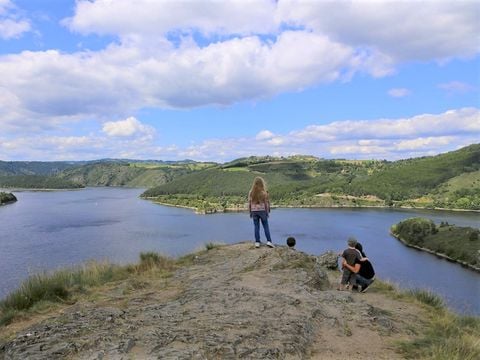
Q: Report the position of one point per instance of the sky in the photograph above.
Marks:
(218, 80)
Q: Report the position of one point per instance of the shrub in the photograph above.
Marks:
(150, 260)
(427, 297)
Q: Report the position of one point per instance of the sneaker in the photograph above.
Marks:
(269, 244)
(257, 244)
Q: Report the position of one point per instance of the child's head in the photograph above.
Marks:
(291, 241)
(352, 242)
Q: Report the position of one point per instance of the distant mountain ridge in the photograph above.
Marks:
(449, 180)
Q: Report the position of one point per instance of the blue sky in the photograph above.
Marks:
(211, 80)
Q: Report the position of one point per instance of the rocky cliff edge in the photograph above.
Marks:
(231, 302)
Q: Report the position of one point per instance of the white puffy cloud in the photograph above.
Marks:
(11, 25)
(153, 18)
(373, 139)
(252, 50)
(127, 128)
(378, 138)
(264, 135)
(403, 30)
(398, 92)
(120, 79)
(460, 121)
(421, 30)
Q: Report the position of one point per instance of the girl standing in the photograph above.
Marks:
(259, 207)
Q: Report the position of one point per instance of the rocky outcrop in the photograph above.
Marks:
(231, 302)
(328, 260)
(7, 198)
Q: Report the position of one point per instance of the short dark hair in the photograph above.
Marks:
(291, 241)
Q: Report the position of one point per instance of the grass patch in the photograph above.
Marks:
(428, 298)
(449, 337)
(210, 246)
(154, 261)
(61, 285)
(444, 335)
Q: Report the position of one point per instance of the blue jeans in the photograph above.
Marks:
(258, 216)
(363, 282)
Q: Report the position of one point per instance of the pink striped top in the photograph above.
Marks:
(263, 206)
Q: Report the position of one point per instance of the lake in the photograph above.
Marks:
(48, 230)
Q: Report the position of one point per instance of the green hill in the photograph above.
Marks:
(309, 181)
(134, 174)
(35, 167)
(107, 172)
(36, 182)
(412, 178)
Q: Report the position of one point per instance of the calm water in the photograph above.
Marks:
(47, 230)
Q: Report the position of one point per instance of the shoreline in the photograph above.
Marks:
(309, 207)
(40, 190)
(440, 255)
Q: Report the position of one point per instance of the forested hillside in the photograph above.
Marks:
(108, 172)
(36, 182)
(134, 174)
(308, 181)
(35, 167)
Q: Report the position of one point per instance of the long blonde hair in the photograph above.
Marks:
(258, 192)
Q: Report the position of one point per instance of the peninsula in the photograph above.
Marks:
(453, 243)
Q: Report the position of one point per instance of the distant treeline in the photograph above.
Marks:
(36, 182)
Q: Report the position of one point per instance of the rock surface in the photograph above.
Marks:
(233, 302)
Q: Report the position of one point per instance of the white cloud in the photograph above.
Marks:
(466, 120)
(11, 25)
(403, 30)
(247, 53)
(127, 128)
(380, 138)
(421, 30)
(153, 18)
(264, 135)
(423, 143)
(120, 79)
(398, 92)
(390, 139)
(454, 87)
